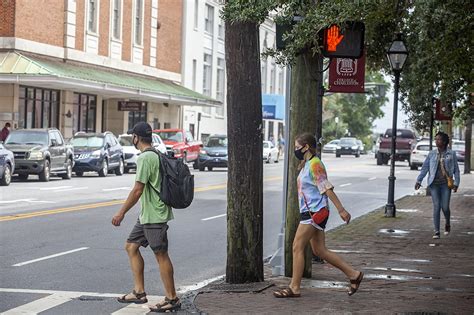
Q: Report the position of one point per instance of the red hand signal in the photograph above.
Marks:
(333, 38)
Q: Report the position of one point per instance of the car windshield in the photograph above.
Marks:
(334, 142)
(216, 142)
(126, 141)
(27, 137)
(458, 146)
(359, 142)
(175, 136)
(92, 142)
(266, 145)
(406, 134)
(347, 142)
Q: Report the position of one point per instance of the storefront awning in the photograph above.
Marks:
(55, 73)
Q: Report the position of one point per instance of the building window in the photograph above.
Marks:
(138, 25)
(117, 19)
(220, 80)
(196, 13)
(38, 108)
(272, 78)
(280, 82)
(209, 19)
(92, 16)
(264, 76)
(221, 31)
(270, 132)
(167, 125)
(194, 74)
(137, 116)
(207, 75)
(84, 112)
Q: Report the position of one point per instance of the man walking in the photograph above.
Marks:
(151, 226)
(5, 132)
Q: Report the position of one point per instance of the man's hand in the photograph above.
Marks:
(117, 218)
(345, 216)
(417, 186)
(455, 189)
(333, 38)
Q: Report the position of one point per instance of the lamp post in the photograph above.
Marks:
(337, 121)
(397, 55)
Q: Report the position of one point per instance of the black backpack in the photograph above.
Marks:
(177, 183)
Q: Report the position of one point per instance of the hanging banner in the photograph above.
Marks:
(443, 110)
(347, 75)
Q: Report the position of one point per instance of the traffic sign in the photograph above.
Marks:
(344, 41)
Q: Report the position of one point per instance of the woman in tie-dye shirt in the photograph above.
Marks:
(314, 190)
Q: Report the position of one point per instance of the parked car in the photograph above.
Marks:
(214, 153)
(459, 146)
(348, 146)
(331, 146)
(42, 152)
(270, 152)
(405, 143)
(361, 146)
(419, 154)
(131, 154)
(97, 152)
(7, 166)
(180, 143)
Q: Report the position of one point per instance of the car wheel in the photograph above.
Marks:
(46, 173)
(126, 170)
(209, 168)
(269, 159)
(7, 176)
(68, 174)
(79, 174)
(105, 168)
(358, 155)
(338, 155)
(120, 169)
(379, 159)
(23, 176)
(185, 157)
(202, 168)
(195, 165)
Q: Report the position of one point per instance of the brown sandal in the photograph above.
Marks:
(357, 282)
(285, 293)
(168, 305)
(140, 298)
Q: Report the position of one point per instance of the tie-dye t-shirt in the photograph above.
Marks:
(312, 185)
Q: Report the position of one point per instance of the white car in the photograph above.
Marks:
(131, 154)
(331, 146)
(419, 154)
(270, 152)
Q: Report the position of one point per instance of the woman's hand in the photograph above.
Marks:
(417, 186)
(345, 216)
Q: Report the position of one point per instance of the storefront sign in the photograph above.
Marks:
(131, 106)
(268, 112)
(347, 75)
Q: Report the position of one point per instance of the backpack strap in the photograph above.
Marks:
(151, 149)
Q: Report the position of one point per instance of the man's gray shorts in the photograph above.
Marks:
(154, 235)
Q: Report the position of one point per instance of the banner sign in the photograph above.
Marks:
(268, 111)
(443, 110)
(347, 75)
(131, 106)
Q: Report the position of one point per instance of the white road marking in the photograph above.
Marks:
(132, 309)
(71, 189)
(198, 285)
(344, 185)
(214, 217)
(57, 187)
(44, 304)
(373, 178)
(466, 195)
(48, 257)
(95, 294)
(26, 200)
(119, 188)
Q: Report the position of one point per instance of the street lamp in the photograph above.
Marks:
(337, 121)
(397, 55)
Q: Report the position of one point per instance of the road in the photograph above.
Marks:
(57, 236)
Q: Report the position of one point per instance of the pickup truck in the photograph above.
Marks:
(404, 144)
(42, 152)
(180, 143)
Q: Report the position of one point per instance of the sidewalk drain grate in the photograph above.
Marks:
(243, 287)
(90, 298)
(422, 313)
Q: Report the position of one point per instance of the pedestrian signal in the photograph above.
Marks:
(344, 41)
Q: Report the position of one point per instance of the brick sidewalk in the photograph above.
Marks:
(406, 271)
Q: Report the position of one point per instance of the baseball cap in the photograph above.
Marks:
(141, 129)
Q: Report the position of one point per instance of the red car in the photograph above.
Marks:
(181, 143)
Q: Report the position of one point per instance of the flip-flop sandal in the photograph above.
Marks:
(285, 293)
(167, 305)
(140, 298)
(357, 282)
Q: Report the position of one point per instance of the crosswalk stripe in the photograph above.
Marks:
(133, 309)
(43, 304)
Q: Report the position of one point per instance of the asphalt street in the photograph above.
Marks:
(57, 236)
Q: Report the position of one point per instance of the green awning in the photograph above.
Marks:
(26, 69)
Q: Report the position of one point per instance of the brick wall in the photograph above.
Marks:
(7, 18)
(170, 15)
(31, 24)
(104, 27)
(80, 20)
(127, 31)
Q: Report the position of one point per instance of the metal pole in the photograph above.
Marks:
(390, 210)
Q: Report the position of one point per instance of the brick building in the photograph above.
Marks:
(92, 65)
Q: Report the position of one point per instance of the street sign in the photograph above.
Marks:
(443, 110)
(345, 41)
(131, 106)
(347, 75)
(268, 111)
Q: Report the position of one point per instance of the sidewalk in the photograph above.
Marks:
(406, 271)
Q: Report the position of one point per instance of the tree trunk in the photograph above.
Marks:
(245, 174)
(305, 84)
(468, 145)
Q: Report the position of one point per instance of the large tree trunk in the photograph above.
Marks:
(245, 175)
(305, 97)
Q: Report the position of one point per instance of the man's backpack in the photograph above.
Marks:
(177, 183)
